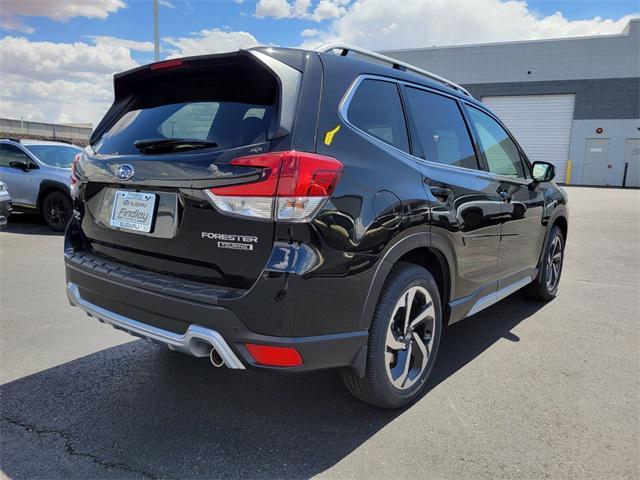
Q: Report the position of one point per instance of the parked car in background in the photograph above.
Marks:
(37, 177)
(5, 204)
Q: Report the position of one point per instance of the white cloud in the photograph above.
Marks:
(166, 3)
(121, 42)
(12, 11)
(300, 9)
(328, 9)
(383, 24)
(273, 8)
(48, 61)
(58, 82)
(309, 32)
(55, 81)
(209, 41)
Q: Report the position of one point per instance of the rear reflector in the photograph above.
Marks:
(274, 356)
(292, 186)
(173, 63)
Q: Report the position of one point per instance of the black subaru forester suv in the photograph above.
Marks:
(298, 210)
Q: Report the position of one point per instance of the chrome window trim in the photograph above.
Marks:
(344, 106)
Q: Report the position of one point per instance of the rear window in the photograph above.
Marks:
(229, 124)
(228, 101)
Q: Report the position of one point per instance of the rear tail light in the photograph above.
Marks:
(274, 356)
(292, 186)
(74, 175)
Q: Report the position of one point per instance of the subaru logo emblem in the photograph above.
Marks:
(124, 172)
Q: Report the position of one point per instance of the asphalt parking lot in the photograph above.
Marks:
(521, 390)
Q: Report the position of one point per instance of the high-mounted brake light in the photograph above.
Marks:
(274, 356)
(173, 63)
(292, 186)
(73, 181)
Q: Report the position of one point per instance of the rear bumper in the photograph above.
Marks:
(196, 341)
(188, 317)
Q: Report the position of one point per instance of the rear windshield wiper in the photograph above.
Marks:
(156, 145)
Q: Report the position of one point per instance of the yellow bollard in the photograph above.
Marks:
(567, 178)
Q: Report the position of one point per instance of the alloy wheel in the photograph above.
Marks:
(554, 263)
(410, 337)
(57, 212)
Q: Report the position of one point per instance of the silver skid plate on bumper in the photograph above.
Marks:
(196, 341)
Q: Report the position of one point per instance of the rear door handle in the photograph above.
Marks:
(441, 192)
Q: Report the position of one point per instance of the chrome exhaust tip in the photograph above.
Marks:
(216, 359)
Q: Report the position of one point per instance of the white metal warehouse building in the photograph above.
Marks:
(574, 101)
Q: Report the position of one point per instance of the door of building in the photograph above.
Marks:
(632, 160)
(594, 168)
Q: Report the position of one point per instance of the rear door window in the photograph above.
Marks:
(376, 109)
(438, 130)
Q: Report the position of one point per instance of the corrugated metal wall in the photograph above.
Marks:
(540, 123)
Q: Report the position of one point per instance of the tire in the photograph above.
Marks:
(57, 210)
(545, 287)
(387, 383)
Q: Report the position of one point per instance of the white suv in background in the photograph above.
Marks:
(5, 204)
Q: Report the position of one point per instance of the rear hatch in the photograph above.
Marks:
(170, 135)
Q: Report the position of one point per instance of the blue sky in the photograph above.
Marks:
(57, 57)
(186, 16)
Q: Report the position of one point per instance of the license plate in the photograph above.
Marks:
(133, 211)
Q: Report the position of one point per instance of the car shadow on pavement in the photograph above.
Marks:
(138, 410)
(28, 224)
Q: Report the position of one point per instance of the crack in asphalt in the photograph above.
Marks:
(68, 447)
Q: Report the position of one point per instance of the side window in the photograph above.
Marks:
(376, 109)
(439, 130)
(10, 153)
(502, 154)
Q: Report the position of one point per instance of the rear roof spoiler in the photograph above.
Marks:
(289, 80)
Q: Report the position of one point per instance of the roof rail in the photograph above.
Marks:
(397, 64)
(11, 139)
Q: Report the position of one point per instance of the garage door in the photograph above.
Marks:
(540, 123)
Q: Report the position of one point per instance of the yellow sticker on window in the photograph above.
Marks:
(328, 137)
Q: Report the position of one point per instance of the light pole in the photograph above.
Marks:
(156, 31)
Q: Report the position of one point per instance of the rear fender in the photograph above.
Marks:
(47, 186)
(405, 243)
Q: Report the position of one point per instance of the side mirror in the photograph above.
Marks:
(543, 172)
(23, 165)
